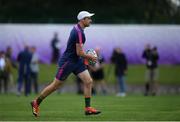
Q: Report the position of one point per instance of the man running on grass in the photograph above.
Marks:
(72, 61)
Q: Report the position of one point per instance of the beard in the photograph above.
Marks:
(87, 25)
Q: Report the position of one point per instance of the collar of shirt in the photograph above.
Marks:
(80, 27)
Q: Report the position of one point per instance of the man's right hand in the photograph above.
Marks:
(93, 58)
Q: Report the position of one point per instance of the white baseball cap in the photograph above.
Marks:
(84, 14)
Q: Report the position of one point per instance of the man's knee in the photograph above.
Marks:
(88, 81)
(56, 83)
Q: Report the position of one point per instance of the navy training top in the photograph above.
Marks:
(76, 36)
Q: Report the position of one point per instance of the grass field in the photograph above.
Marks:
(69, 107)
(168, 74)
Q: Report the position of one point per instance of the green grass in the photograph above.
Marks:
(70, 107)
(168, 74)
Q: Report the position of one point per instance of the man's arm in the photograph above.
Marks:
(80, 52)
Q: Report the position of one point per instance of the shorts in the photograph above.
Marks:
(68, 67)
(98, 75)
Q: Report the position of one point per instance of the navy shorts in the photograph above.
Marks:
(68, 67)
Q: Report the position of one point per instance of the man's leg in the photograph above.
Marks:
(122, 84)
(27, 84)
(44, 93)
(36, 89)
(50, 88)
(6, 84)
(147, 84)
(34, 77)
(154, 82)
(20, 83)
(103, 87)
(86, 78)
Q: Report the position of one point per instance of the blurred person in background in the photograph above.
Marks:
(9, 52)
(5, 69)
(151, 76)
(55, 45)
(120, 62)
(97, 72)
(147, 56)
(24, 60)
(80, 85)
(12, 60)
(34, 69)
(155, 72)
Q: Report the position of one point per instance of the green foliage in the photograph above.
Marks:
(107, 11)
